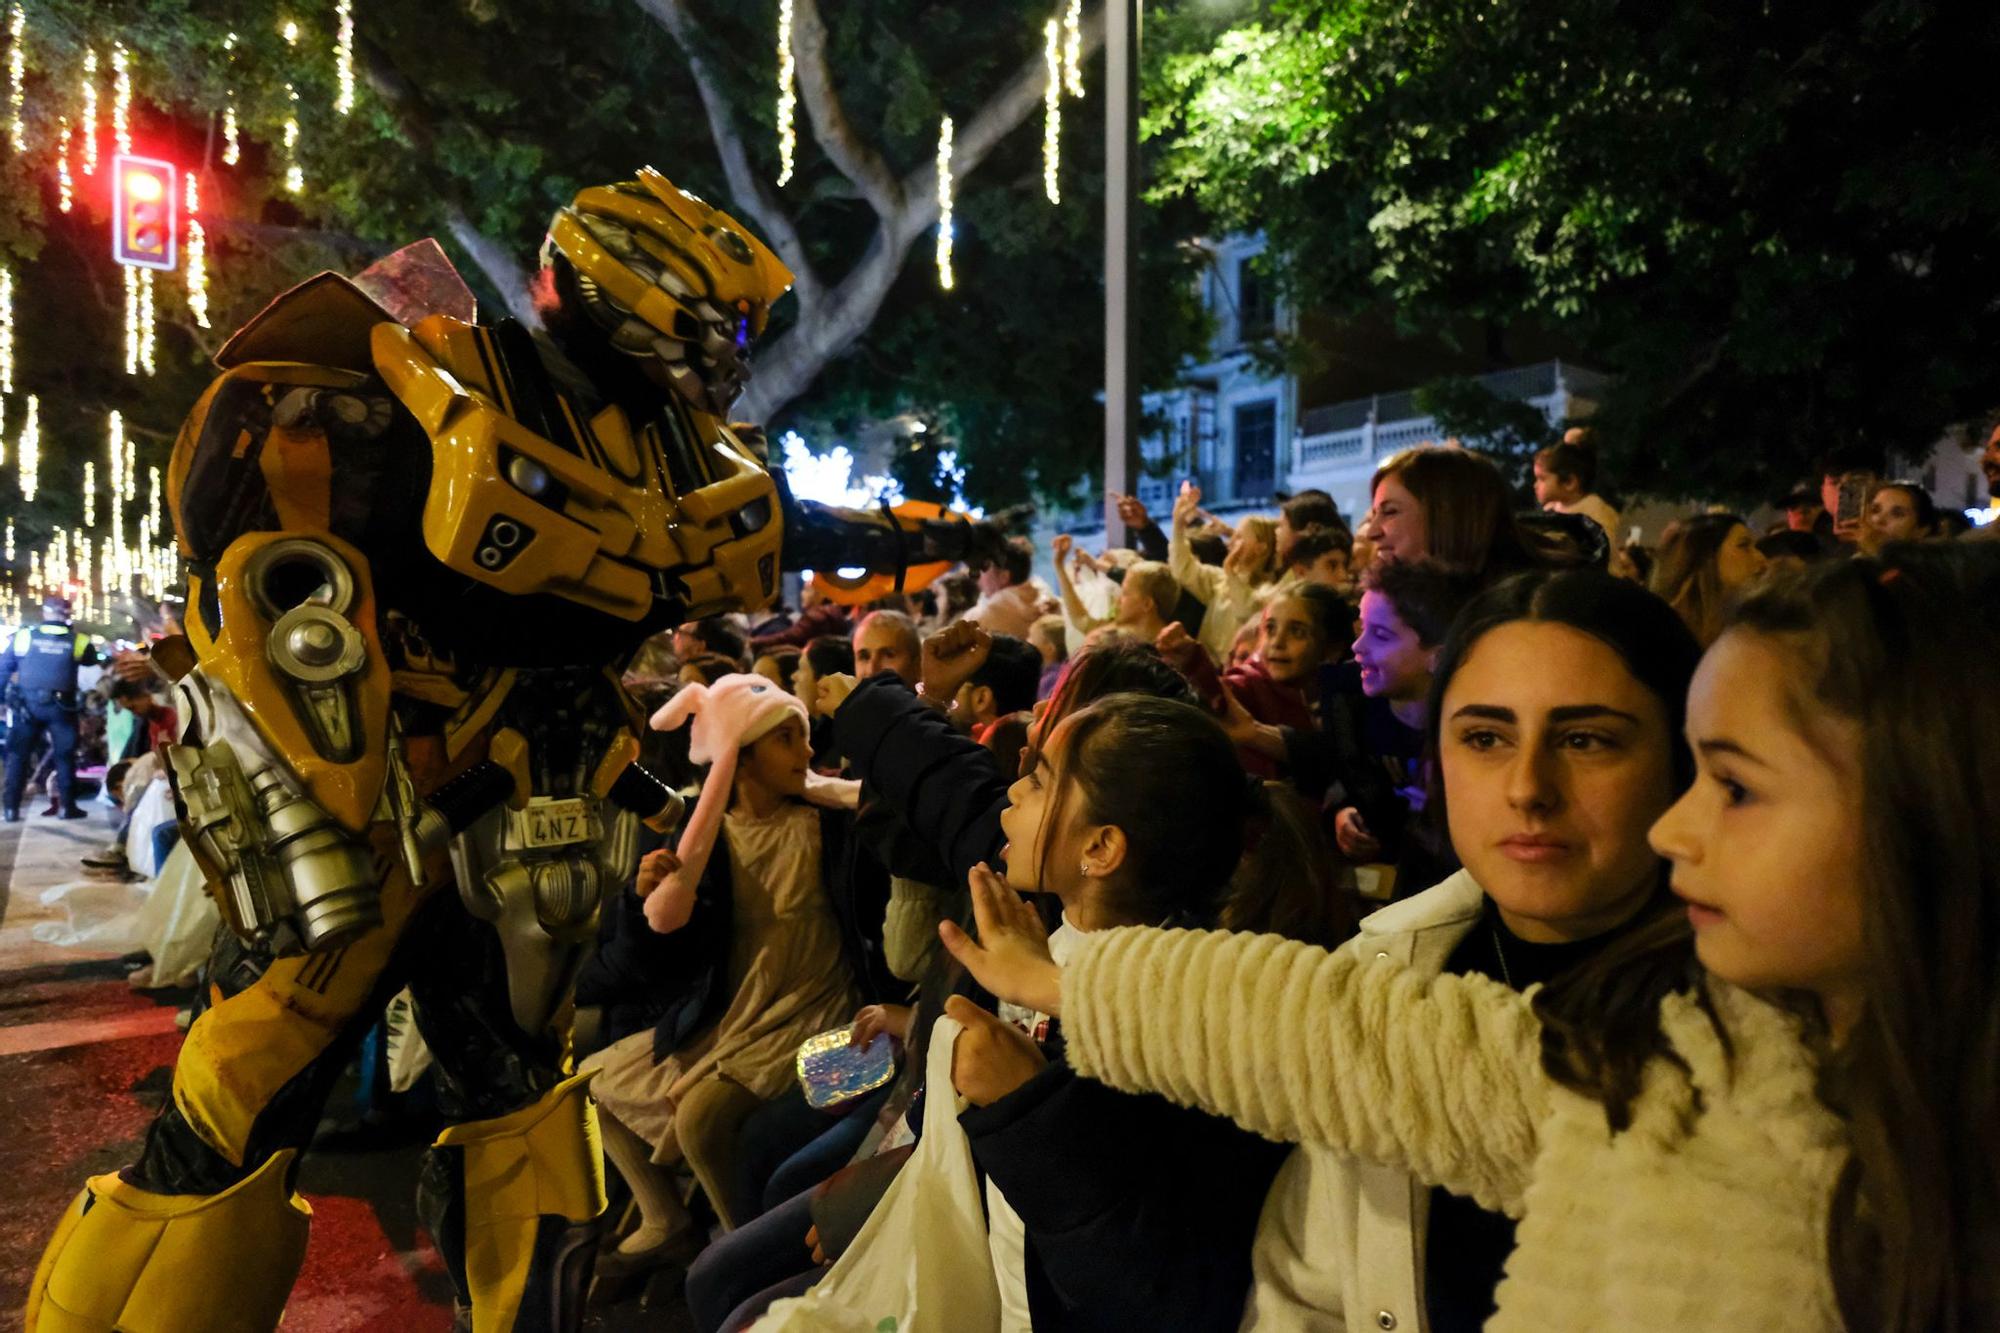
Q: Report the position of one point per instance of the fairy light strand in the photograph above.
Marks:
(29, 449)
(89, 493)
(129, 468)
(944, 192)
(153, 496)
(295, 176)
(146, 320)
(1073, 49)
(1052, 113)
(89, 126)
(65, 183)
(232, 148)
(121, 98)
(197, 256)
(17, 77)
(788, 94)
(131, 276)
(6, 330)
(343, 57)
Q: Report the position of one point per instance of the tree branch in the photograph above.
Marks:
(414, 118)
(850, 154)
(747, 189)
(787, 367)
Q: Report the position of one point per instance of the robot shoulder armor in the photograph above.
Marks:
(325, 321)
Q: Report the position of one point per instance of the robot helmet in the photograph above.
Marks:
(671, 279)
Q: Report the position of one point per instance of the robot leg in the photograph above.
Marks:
(128, 1260)
(516, 1204)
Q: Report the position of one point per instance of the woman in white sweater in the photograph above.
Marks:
(1667, 1131)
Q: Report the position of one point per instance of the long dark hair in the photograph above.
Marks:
(1902, 645)
(1247, 860)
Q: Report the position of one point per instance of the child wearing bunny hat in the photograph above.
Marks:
(754, 840)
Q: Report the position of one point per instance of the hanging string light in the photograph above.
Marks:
(6, 351)
(944, 190)
(6, 330)
(295, 176)
(1073, 49)
(89, 126)
(17, 77)
(153, 496)
(146, 322)
(89, 493)
(131, 318)
(121, 98)
(1052, 112)
(65, 186)
(788, 94)
(10, 541)
(232, 151)
(114, 433)
(197, 257)
(30, 448)
(129, 469)
(343, 57)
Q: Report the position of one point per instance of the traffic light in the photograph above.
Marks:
(142, 211)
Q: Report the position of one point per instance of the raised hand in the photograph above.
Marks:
(1187, 504)
(832, 693)
(953, 656)
(1011, 956)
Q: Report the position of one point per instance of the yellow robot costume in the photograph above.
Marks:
(421, 554)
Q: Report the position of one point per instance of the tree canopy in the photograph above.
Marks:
(1778, 224)
(474, 120)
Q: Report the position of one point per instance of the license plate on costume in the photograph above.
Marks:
(554, 823)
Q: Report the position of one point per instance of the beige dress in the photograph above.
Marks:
(787, 979)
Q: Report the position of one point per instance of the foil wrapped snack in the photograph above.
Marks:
(833, 1071)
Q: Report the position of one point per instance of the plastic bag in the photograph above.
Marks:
(921, 1263)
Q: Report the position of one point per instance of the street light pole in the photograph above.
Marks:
(1121, 194)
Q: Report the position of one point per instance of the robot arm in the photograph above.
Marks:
(823, 536)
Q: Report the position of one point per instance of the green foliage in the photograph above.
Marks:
(504, 111)
(1777, 223)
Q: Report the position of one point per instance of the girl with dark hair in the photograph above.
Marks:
(1559, 746)
(1299, 631)
(1117, 1209)
(1702, 562)
(1791, 1126)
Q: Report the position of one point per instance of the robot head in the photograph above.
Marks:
(671, 281)
(55, 607)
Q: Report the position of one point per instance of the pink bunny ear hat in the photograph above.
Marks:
(723, 718)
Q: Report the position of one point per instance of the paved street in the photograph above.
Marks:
(85, 1060)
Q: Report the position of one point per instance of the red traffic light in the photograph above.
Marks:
(142, 211)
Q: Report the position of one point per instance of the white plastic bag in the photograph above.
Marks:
(920, 1263)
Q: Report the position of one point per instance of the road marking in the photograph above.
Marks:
(64, 1033)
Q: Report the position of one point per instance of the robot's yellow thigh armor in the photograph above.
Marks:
(544, 1160)
(245, 1048)
(125, 1260)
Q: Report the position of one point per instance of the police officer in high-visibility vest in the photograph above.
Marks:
(44, 700)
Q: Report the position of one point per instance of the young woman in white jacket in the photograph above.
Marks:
(1549, 817)
(1790, 1125)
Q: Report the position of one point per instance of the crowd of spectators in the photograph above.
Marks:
(1285, 924)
